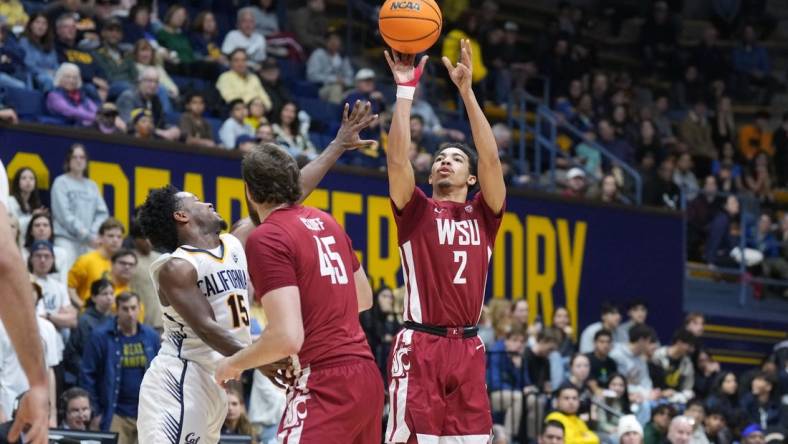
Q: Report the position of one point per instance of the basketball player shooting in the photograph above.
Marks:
(437, 364)
(303, 266)
(202, 282)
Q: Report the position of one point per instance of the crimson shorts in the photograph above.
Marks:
(338, 404)
(437, 390)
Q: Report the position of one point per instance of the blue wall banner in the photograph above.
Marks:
(552, 252)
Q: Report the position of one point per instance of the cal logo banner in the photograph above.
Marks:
(550, 251)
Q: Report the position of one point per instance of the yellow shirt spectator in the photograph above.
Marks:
(254, 122)
(575, 430)
(14, 12)
(453, 9)
(753, 140)
(232, 86)
(451, 49)
(88, 268)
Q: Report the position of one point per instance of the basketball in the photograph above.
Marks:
(410, 27)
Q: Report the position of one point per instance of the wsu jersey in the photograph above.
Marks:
(445, 248)
(305, 247)
(222, 278)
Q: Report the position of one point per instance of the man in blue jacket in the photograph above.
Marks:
(113, 363)
(507, 377)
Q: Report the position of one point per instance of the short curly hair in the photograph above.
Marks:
(156, 218)
(271, 175)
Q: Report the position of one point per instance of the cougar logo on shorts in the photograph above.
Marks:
(399, 366)
(191, 439)
(296, 412)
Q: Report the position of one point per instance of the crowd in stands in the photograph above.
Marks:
(620, 378)
(242, 73)
(273, 72)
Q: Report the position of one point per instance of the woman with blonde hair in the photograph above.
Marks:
(69, 99)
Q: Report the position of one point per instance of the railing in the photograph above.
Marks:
(545, 132)
(748, 221)
(637, 180)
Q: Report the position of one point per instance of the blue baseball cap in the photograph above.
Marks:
(244, 138)
(42, 245)
(751, 430)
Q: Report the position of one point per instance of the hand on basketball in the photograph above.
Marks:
(226, 371)
(462, 73)
(353, 122)
(32, 417)
(402, 67)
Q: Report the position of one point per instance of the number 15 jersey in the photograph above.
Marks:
(222, 278)
(445, 248)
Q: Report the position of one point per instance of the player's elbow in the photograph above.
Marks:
(364, 295)
(292, 340)
(364, 304)
(363, 290)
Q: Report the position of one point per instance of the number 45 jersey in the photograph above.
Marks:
(306, 248)
(445, 249)
(222, 278)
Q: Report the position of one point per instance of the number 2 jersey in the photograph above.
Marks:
(222, 278)
(306, 248)
(445, 248)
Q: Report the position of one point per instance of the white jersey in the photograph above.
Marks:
(3, 186)
(222, 277)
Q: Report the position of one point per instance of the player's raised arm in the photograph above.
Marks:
(401, 178)
(347, 138)
(177, 283)
(489, 170)
(282, 337)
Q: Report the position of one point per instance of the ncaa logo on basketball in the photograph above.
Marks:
(413, 6)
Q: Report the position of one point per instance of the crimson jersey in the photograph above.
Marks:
(305, 247)
(445, 249)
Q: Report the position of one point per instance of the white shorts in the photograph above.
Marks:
(179, 404)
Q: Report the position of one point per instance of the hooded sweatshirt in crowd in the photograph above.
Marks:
(78, 209)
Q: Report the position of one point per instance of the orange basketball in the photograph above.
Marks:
(410, 26)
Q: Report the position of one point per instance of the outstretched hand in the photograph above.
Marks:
(461, 73)
(353, 122)
(226, 372)
(402, 68)
(32, 417)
